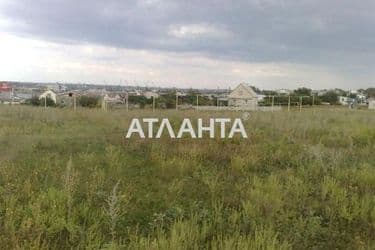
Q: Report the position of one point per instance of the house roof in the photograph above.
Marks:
(5, 87)
(243, 91)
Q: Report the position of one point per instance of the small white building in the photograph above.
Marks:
(371, 103)
(284, 91)
(150, 94)
(134, 92)
(344, 100)
(261, 98)
(180, 93)
(113, 98)
(361, 98)
(243, 96)
(48, 94)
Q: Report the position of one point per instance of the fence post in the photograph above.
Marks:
(197, 102)
(313, 102)
(74, 103)
(153, 103)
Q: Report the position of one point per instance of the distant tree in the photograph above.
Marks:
(33, 101)
(341, 92)
(193, 92)
(48, 102)
(140, 100)
(190, 98)
(330, 97)
(303, 91)
(269, 92)
(88, 101)
(167, 101)
(256, 90)
(206, 101)
(370, 92)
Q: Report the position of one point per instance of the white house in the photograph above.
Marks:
(243, 96)
(261, 98)
(113, 98)
(284, 91)
(180, 93)
(134, 92)
(344, 100)
(48, 94)
(371, 103)
(150, 94)
(361, 98)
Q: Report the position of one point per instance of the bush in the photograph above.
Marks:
(88, 101)
(34, 101)
(330, 97)
(141, 100)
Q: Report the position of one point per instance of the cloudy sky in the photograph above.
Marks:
(200, 44)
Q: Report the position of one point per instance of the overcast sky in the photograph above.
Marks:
(199, 44)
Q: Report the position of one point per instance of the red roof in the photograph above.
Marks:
(5, 87)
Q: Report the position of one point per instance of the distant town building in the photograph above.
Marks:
(261, 97)
(150, 94)
(344, 100)
(371, 103)
(95, 92)
(5, 87)
(134, 92)
(180, 93)
(243, 96)
(6, 93)
(284, 91)
(114, 98)
(361, 98)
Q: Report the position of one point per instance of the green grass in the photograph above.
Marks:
(302, 180)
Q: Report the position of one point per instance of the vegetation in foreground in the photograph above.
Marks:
(301, 181)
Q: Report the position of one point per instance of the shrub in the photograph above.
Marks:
(88, 101)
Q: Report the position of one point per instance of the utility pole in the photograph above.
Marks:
(45, 101)
(273, 99)
(313, 101)
(127, 101)
(103, 104)
(153, 103)
(197, 102)
(74, 102)
(217, 99)
(300, 103)
(176, 100)
(289, 103)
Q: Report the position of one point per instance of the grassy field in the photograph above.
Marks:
(302, 180)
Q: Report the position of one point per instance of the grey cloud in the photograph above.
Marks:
(298, 31)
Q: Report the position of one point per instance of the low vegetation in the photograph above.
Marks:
(302, 180)
(89, 101)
